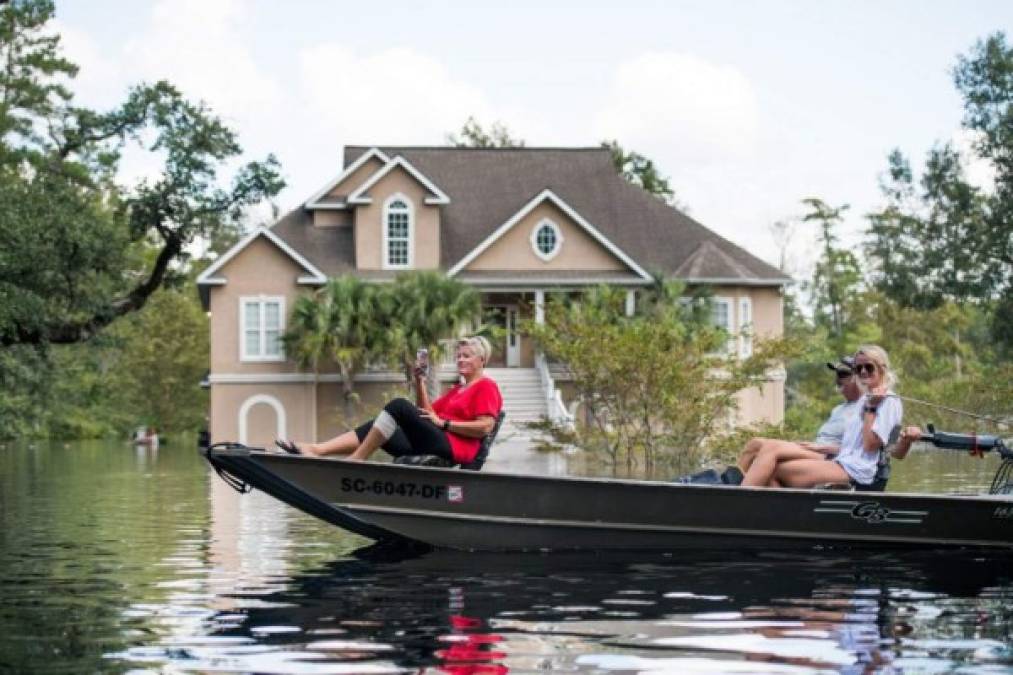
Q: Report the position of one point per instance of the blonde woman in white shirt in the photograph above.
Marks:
(864, 438)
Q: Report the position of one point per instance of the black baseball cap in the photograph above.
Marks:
(845, 366)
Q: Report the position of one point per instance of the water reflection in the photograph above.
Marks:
(116, 559)
(461, 613)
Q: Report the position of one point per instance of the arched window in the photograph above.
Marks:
(397, 233)
(546, 239)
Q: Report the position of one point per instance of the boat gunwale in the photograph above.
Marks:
(632, 482)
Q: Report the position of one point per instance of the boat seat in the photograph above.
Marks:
(474, 465)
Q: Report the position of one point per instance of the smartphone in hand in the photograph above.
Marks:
(422, 361)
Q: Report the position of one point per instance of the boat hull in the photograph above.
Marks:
(496, 511)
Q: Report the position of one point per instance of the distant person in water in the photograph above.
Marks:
(785, 464)
(451, 427)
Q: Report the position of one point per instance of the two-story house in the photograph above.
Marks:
(515, 223)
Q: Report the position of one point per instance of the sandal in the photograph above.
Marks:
(288, 446)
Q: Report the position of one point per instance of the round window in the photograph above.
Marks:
(546, 240)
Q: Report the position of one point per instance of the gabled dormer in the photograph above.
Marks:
(397, 219)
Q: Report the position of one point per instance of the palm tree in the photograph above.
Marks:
(429, 307)
(344, 323)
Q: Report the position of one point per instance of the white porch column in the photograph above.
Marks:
(539, 307)
(631, 302)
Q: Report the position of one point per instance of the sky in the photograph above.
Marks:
(748, 107)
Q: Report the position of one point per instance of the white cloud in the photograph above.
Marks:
(681, 107)
(392, 96)
(201, 47)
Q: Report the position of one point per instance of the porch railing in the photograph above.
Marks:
(556, 409)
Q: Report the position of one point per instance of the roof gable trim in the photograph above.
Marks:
(549, 195)
(314, 201)
(312, 276)
(358, 197)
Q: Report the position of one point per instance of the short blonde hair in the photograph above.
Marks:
(477, 344)
(879, 356)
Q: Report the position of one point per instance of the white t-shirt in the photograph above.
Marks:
(859, 464)
(833, 429)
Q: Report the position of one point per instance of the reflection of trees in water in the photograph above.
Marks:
(455, 609)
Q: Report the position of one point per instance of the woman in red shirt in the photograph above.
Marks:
(451, 427)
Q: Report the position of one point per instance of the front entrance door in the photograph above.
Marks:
(506, 351)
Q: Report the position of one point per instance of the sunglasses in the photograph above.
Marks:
(867, 368)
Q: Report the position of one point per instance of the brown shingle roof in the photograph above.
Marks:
(487, 186)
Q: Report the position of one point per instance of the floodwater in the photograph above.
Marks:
(123, 559)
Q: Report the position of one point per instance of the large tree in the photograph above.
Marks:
(942, 238)
(73, 241)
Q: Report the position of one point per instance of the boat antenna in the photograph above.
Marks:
(956, 411)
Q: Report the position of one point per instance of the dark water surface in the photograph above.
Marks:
(119, 559)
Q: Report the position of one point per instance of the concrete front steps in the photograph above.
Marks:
(523, 399)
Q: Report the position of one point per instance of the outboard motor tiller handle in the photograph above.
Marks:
(953, 441)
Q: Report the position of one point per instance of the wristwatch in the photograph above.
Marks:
(446, 425)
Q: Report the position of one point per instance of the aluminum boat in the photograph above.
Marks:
(472, 510)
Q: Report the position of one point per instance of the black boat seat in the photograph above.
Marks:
(882, 476)
(474, 465)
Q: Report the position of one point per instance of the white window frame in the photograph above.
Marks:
(745, 327)
(261, 300)
(386, 264)
(546, 222)
(729, 304)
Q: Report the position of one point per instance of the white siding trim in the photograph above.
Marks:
(745, 326)
(279, 412)
(314, 275)
(311, 203)
(385, 263)
(307, 378)
(548, 195)
(261, 299)
(358, 197)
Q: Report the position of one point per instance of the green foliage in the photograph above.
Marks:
(642, 172)
(944, 239)
(655, 385)
(352, 323)
(79, 251)
(344, 323)
(428, 307)
(837, 273)
(474, 135)
(70, 236)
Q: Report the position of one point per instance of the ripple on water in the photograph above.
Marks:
(106, 570)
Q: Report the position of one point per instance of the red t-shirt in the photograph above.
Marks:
(467, 404)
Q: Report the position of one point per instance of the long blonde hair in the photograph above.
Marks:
(879, 356)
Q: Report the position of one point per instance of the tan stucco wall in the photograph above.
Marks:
(227, 400)
(331, 218)
(369, 223)
(260, 269)
(768, 312)
(764, 404)
(353, 180)
(513, 250)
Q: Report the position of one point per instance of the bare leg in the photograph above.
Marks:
(373, 440)
(810, 472)
(341, 444)
(772, 453)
